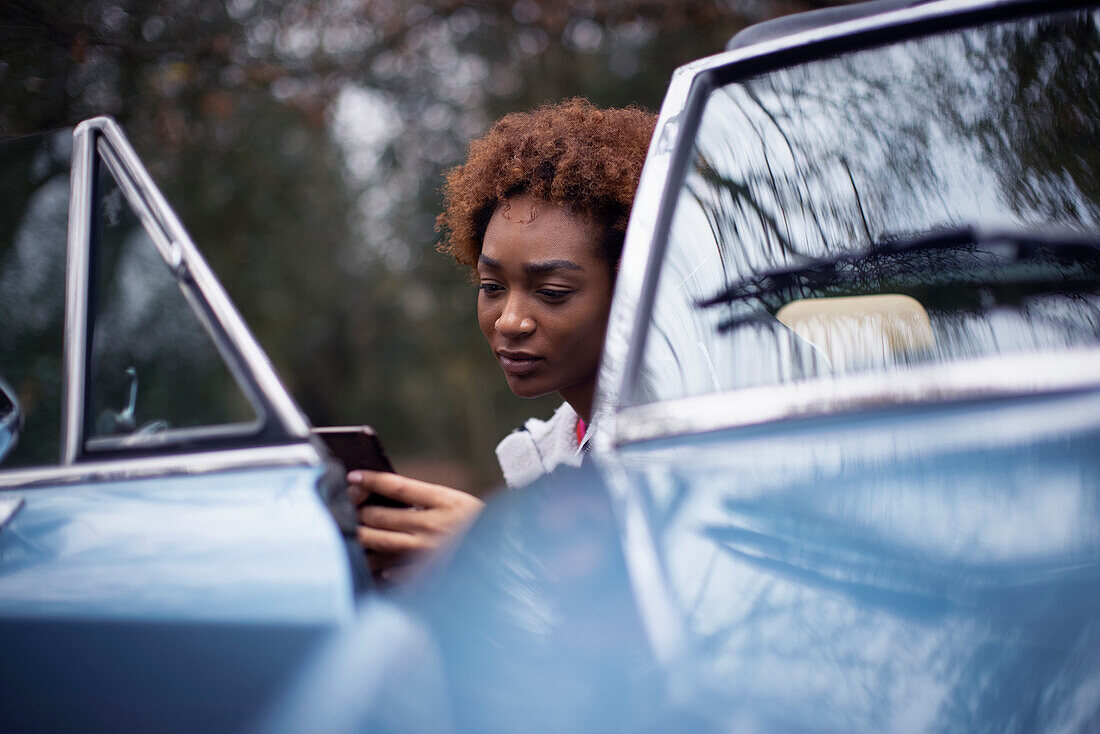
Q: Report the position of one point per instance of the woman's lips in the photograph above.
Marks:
(518, 364)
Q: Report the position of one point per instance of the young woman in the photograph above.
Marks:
(538, 212)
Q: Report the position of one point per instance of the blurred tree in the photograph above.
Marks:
(302, 144)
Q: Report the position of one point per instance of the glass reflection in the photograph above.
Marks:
(34, 208)
(154, 368)
(842, 189)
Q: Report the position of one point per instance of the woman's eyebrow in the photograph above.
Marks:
(550, 266)
(532, 268)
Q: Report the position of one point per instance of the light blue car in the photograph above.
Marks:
(168, 549)
(846, 474)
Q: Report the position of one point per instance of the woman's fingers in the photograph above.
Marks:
(388, 541)
(402, 520)
(400, 488)
(436, 514)
(357, 494)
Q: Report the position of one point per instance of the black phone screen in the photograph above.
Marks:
(358, 447)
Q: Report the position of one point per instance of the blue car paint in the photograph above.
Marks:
(170, 604)
(144, 549)
(919, 569)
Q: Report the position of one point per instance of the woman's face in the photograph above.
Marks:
(544, 297)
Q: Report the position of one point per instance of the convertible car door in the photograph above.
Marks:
(173, 560)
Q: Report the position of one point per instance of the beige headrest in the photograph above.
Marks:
(861, 330)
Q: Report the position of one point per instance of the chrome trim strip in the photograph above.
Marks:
(988, 377)
(206, 462)
(169, 437)
(139, 202)
(180, 252)
(630, 283)
(76, 292)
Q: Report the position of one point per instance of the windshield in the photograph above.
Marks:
(834, 215)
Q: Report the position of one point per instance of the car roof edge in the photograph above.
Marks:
(787, 25)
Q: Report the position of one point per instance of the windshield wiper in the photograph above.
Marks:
(943, 257)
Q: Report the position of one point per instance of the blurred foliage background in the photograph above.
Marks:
(302, 143)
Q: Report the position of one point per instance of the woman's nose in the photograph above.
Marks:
(514, 320)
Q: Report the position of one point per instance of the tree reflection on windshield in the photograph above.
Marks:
(994, 128)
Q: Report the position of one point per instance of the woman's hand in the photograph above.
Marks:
(394, 536)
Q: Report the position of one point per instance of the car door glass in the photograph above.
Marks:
(34, 207)
(833, 218)
(154, 371)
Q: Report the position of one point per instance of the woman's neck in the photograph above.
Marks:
(580, 400)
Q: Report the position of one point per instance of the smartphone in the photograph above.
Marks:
(358, 447)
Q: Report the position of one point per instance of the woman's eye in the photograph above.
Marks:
(552, 294)
(490, 289)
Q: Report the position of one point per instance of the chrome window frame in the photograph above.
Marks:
(651, 218)
(175, 464)
(280, 420)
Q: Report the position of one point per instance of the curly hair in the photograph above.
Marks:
(572, 153)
